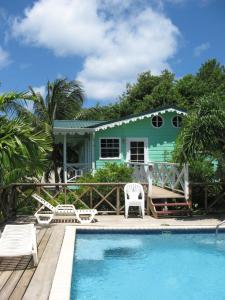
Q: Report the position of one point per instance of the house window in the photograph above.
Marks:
(137, 151)
(177, 121)
(157, 121)
(109, 148)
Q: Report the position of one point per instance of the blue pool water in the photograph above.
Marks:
(149, 266)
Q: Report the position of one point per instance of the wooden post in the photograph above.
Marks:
(65, 195)
(118, 200)
(149, 172)
(93, 152)
(206, 197)
(91, 197)
(148, 203)
(64, 158)
(190, 195)
(186, 182)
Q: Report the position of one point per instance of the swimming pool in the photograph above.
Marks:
(149, 266)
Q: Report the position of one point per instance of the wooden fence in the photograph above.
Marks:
(210, 197)
(107, 198)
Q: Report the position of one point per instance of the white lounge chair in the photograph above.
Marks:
(84, 216)
(19, 240)
(134, 196)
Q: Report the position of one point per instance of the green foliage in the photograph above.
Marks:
(60, 199)
(203, 133)
(111, 172)
(153, 91)
(63, 98)
(204, 129)
(202, 170)
(22, 149)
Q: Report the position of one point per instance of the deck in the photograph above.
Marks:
(20, 280)
(161, 193)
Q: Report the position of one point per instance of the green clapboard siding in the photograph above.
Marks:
(161, 140)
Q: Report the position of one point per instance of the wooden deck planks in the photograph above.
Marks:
(159, 193)
(11, 278)
(25, 279)
(41, 282)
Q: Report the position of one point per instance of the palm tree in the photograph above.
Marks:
(22, 148)
(62, 100)
(203, 134)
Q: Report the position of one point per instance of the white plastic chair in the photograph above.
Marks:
(84, 216)
(19, 240)
(134, 196)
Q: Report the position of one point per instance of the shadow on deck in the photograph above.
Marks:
(20, 280)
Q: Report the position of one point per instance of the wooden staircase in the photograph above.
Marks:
(168, 187)
(165, 203)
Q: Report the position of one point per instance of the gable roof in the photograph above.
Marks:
(133, 118)
(86, 126)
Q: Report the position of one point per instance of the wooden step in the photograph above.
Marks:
(172, 204)
(172, 212)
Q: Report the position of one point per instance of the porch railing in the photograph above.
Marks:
(76, 170)
(172, 176)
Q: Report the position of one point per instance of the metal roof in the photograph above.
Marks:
(91, 126)
(70, 124)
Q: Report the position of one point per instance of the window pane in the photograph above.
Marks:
(157, 121)
(177, 121)
(110, 148)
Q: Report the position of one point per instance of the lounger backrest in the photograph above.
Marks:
(133, 190)
(19, 233)
(43, 202)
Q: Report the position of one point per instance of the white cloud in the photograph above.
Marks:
(116, 39)
(40, 89)
(201, 48)
(4, 58)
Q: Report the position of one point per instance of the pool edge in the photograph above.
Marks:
(62, 279)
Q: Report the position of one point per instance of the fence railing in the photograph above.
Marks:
(107, 198)
(172, 176)
(209, 197)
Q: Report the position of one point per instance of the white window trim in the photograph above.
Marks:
(172, 121)
(137, 139)
(109, 158)
(163, 122)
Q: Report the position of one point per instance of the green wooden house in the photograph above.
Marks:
(142, 138)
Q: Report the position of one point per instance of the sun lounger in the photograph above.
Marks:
(84, 216)
(19, 240)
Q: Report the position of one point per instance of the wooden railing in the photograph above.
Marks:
(209, 197)
(142, 172)
(76, 170)
(107, 198)
(172, 176)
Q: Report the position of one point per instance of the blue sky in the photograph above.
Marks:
(105, 43)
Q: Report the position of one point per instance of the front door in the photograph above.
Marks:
(137, 150)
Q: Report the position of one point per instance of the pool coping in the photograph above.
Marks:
(62, 279)
(61, 285)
